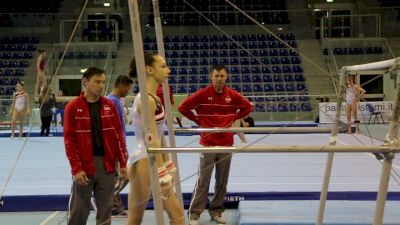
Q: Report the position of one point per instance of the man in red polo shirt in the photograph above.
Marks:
(216, 106)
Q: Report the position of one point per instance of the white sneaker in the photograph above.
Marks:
(194, 222)
(93, 203)
(219, 219)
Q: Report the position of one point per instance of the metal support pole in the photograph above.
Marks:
(329, 159)
(391, 139)
(168, 109)
(383, 188)
(145, 111)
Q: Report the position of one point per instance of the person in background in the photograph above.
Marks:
(353, 93)
(41, 80)
(46, 101)
(156, 71)
(19, 108)
(216, 106)
(245, 122)
(60, 106)
(94, 141)
(122, 86)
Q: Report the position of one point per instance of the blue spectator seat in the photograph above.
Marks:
(185, 39)
(193, 79)
(292, 98)
(281, 45)
(172, 79)
(1, 73)
(182, 89)
(204, 61)
(184, 54)
(214, 53)
(273, 52)
(286, 69)
(265, 61)
(275, 60)
(263, 52)
(233, 53)
(255, 69)
(14, 81)
(193, 62)
(213, 61)
(166, 39)
(257, 88)
(282, 107)
(260, 107)
(306, 107)
(293, 52)
(246, 78)
(254, 52)
(173, 71)
(183, 62)
(278, 78)
(214, 38)
(204, 54)
(282, 36)
(173, 62)
(272, 44)
(242, 37)
(204, 38)
(297, 69)
(233, 45)
(271, 107)
(224, 61)
(175, 46)
(244, 69)
(194, 46)
(19, 72)
(17, 55)
(223, 53)
(262, 45)
(293, 107)
(223, 46)
(31, 47)
(279, 87)
(304, 98)
(299, 77)
(176, 39)
(136, 89)
(265, 69)
(267, 78)
(246, 88)
(253, 45)
(234, 61)
(194, 54)
(244, 61)
(254, 61)
(182, 79)
(243, 53)
(283, 52)
(204, 79)
(290, 36)
(182, 70)
(192, 88)
(256, 78)
(203, 70)
(204, 46)
(288, 77)
(293, 44)
(174, 54)
(261, 37)
(194, 38)
(193, 70)
(214, 46)
(301, 87)
(276, 69)
(235, 78)
(290, 87)
(295, 60)
(285, 60)
(237, 87)
(268, 88)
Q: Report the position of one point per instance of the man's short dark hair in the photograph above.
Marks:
(123, 80)
(91, 71)
(219, 67)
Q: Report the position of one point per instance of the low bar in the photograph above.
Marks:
(259, 149)
(275, 130)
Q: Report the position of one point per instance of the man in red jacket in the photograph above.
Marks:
(93, 140)
(215, 106)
